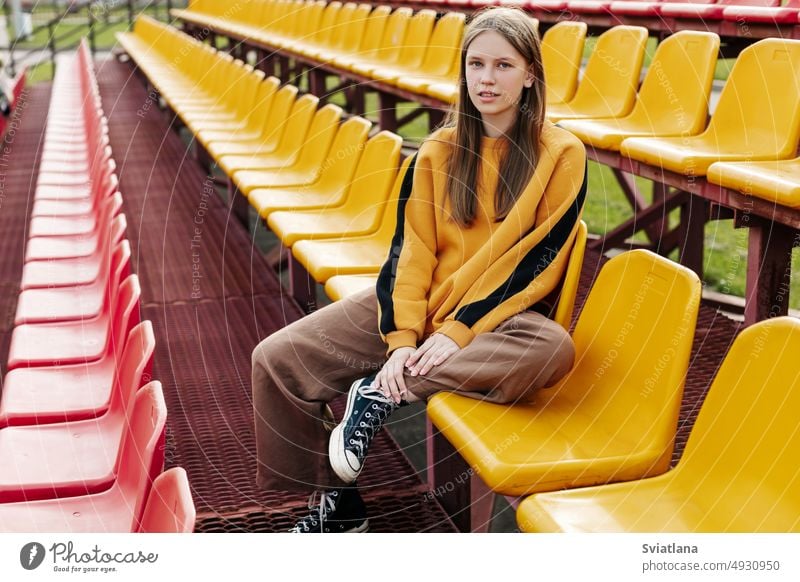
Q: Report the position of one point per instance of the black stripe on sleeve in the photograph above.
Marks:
(532, 264)
(388, 273)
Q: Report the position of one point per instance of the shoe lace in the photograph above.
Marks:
(321, 504)
(373, 418)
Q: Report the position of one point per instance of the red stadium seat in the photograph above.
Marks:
(75, 458)
(169, 507)
(708, 11)
(66, 392)
(80, 302)
(77, 271)
(53, 344)
(118, 509)
(786, 14)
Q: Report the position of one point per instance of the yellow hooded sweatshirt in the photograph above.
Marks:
(442, 277)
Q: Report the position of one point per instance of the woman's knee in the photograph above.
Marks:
(279, 343)
(563, 356)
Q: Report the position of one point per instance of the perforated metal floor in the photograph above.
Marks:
(19, 166)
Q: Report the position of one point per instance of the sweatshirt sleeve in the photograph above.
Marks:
(405, 278)
(531, 269)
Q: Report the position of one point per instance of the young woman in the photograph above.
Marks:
(487, 215)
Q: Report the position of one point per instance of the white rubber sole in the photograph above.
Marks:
(363, 528)
(337, 456)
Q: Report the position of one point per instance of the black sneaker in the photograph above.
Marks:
(334, 511)
(366, 412)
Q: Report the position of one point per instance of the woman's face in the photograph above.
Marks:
(496, 74)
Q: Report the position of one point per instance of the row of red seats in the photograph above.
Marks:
(81, 425)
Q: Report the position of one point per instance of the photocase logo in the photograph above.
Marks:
(31, 555)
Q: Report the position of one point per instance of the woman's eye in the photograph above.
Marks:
(475, 64)
(503, 65)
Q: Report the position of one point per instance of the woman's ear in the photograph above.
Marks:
(529, 79)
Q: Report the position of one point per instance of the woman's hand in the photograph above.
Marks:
(433, 352)
(390, 379)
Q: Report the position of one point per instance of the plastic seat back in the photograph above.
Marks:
(262, 103)
(608, 87)
(134, 367)
(444, 47)
(417, 39)
(373, 31)
(319, 138)
(341, 26)
(742, 455)
(394, 35)
(562, 51)
(312, 18)
(632, 342)
(327, 24)
(758, 113)
(354, 33)
(342, 159)
(140, 459)
(169, 507)
(373, 180)
(297, 126)
(279, 112)
(126, 312)
(572, 276)
(673, 99)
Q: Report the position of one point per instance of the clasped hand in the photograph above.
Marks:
(433, 352)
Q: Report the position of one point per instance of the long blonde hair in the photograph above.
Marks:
(519, 162)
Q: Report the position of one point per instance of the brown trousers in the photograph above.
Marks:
(299, 369)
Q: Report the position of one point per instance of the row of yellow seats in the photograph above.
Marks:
(415, 52)
(745, 145)
(306, 174)
(755, 126)
(611, 422)
(411, 51)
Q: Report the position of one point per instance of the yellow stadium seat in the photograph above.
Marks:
(614, 416)
(441, 56)
(757, 116)
(394, 34)
(412, 51)
(328, 22)
(295, 134)
(572, 278)
(361, 210)
(341, 286)
(608, 87)
(237, 21)
(673, 99)
(277, 119)
(347, 33)
(738, 472)
(562, 52)
(246, 140)
(777, 181)
(447, 92)
(355, 35)
(330, 181)
(323, 259)
(373, 34)
(235, 115)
